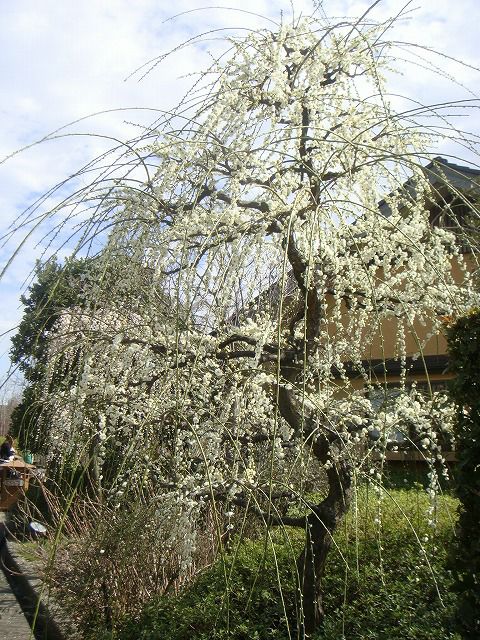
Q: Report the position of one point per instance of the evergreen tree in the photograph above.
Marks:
(56, 288)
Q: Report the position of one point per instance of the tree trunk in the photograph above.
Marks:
(325, 516)
(322, 523)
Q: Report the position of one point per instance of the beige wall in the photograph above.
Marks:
(382, 337)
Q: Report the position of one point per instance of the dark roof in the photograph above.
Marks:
(459, 176)
(442, 173)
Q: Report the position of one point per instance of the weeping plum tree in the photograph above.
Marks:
(271, 274)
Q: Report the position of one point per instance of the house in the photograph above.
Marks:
(455, 190)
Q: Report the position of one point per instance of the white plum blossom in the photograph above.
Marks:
(262, 272)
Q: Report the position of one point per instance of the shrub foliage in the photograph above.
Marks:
(464, 347)
(382, 582)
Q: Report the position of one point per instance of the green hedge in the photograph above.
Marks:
(464, 347)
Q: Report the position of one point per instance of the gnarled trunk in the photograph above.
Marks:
(321, 525)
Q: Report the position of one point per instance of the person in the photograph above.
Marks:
(7, 451)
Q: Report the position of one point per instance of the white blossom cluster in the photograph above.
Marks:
(276, 178)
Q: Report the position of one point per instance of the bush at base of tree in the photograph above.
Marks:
(390, 591)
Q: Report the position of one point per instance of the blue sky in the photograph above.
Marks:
(62, 61)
